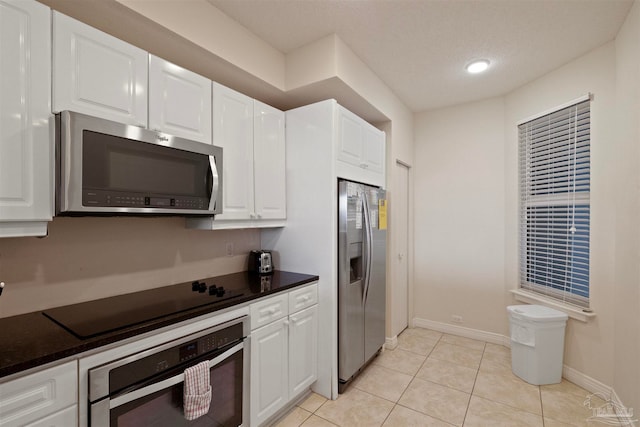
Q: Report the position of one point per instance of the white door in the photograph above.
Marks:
(97, 74)
(25, 143)
(179, 101)
(400, 290)
(269, 162)
(233, 131)
(269, 367)
(303, 350)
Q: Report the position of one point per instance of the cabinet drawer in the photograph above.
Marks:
(38, 395)
(303, 298)
(267, 311)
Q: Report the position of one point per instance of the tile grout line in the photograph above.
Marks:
(484, 349)
(414, 377)
(420, 379)
(395, 404)
(541, 405)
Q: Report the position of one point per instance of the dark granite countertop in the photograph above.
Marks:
(33, 339)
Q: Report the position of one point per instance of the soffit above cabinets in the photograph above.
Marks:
(420, 48)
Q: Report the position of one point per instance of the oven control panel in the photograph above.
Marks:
(197, 350)
(207, 344)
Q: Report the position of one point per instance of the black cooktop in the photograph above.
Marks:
(93, 318)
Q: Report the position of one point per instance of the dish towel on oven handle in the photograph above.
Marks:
(197, 390)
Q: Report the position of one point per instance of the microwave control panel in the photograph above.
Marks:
(98, 198)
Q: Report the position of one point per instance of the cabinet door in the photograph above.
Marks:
(373, 150)
(26, 172)
(39, 395)
(65, 418)
(269, 365)
(98, 74)
(350, 137)
(303, 350)
(179, 101)
(233, 131)
(269, 162)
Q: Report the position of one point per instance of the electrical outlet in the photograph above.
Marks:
(456, 319)
(229, 249)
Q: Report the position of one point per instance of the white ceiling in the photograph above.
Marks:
(419, 47)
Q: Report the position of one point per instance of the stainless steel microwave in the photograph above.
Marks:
(108, 168)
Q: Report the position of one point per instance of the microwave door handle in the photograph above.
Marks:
(215, 182)
(169, 382)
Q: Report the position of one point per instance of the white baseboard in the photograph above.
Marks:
(391, 343)
(475, 334)
(578, 378)
(586, 382)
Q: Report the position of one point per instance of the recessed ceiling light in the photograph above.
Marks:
(478, 66)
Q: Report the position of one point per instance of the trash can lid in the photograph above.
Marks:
(538, 313)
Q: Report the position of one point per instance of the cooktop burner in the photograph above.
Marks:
(92, 318)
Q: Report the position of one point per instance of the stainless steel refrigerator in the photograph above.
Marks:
(361, 277)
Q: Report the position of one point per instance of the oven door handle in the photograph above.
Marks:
(137, 394)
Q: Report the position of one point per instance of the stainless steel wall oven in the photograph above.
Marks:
(146, 389)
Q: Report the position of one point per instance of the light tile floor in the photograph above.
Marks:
(438, 380)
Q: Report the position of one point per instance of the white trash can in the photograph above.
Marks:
(537, 343)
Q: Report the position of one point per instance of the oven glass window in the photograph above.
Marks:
(164, 408)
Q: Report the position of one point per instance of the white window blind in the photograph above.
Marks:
(554, 204)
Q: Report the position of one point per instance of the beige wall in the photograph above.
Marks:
(459, 215)
(450, 158)
(88, 258)
(626, 300)
(594, 73)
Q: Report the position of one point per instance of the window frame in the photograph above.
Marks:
(571, 289)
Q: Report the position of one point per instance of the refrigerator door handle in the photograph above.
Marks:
(368, 239)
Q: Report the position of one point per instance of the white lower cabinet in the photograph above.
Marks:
(46, 398)
(65, 418)
(303, 350)
(284, 353)
(269, 365)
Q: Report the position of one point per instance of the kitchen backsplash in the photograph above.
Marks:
(88, 258)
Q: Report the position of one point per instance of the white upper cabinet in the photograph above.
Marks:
(233, 131)
(179, 101)
(360, 149)
(98, 74)
(350, 139)
(26, 173)
(252, 136)
(373, 148)
(269, 162)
